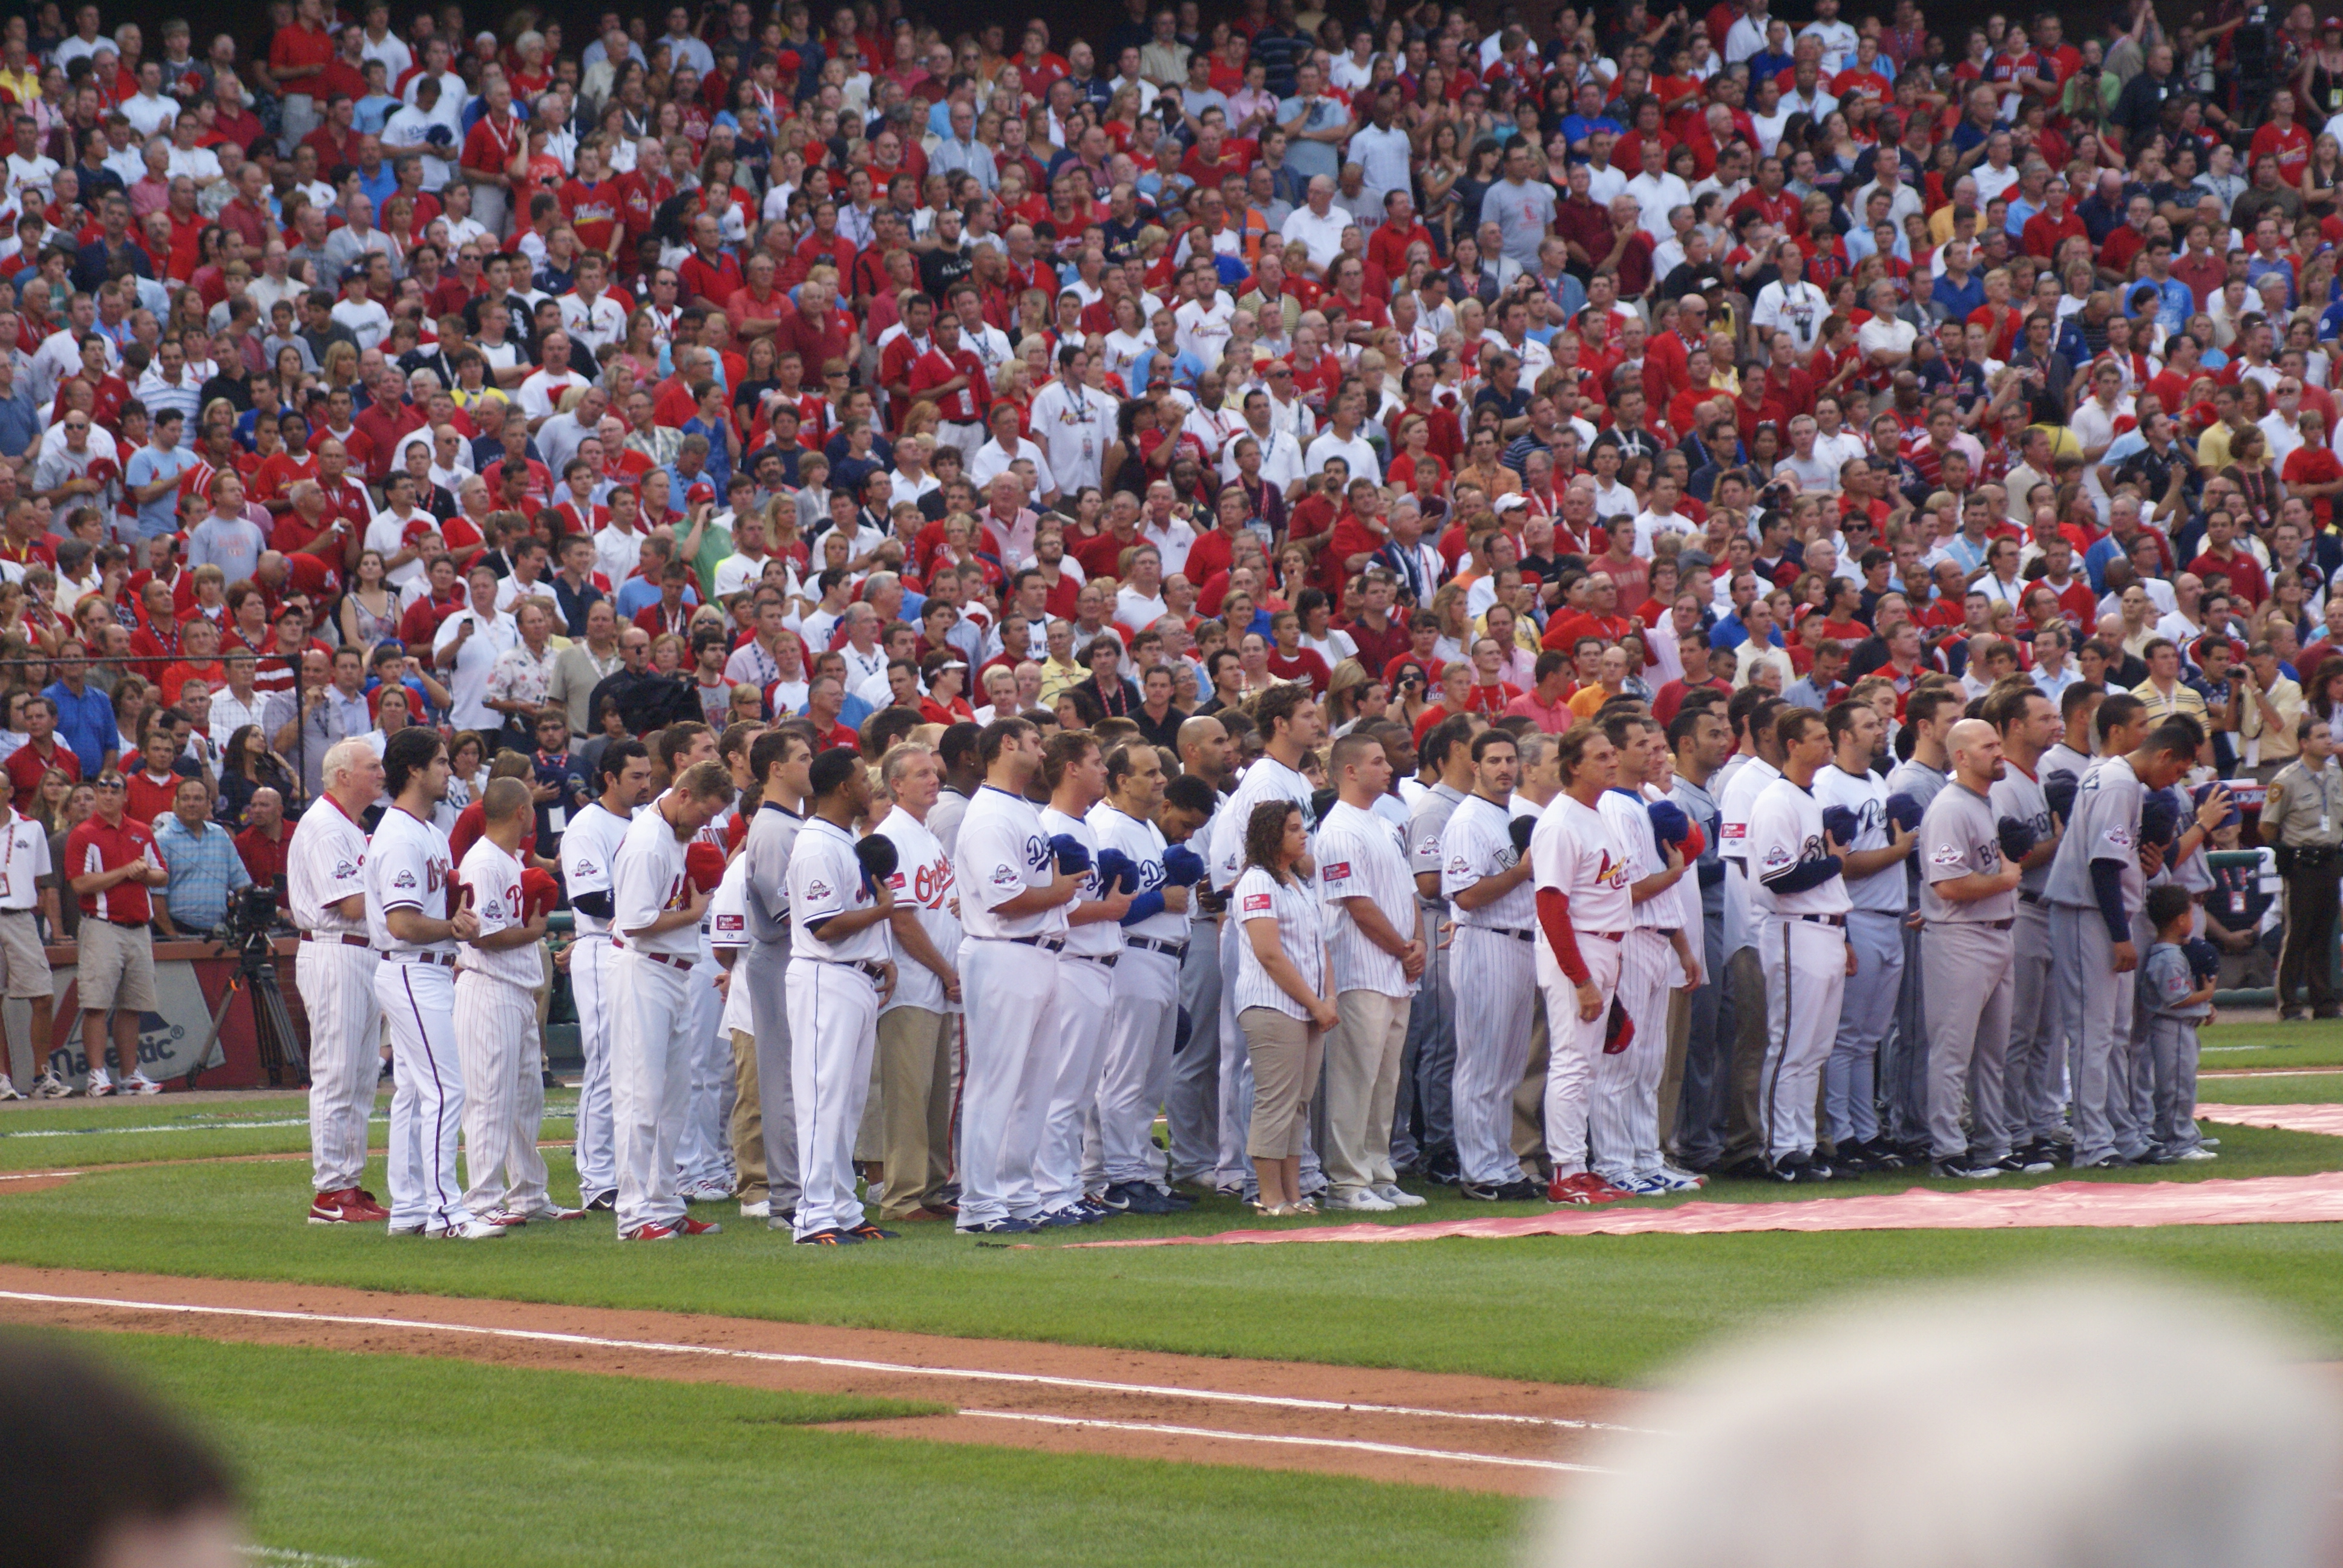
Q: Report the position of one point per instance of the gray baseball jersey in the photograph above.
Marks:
(1427, 822)
(2018, 794)
(1958, 838)
(773, 832)
(2105, 828)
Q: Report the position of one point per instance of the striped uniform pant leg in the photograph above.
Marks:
(651, 1086)
(1806, 977)
(1193, 1102)
(703, 1155)
(764, 969)
(1575, 1043)
(1623, 1115)
(495, 1044)
(426, 1102)
(1235, 1167)
(833, 1029)
(1134, 1071)
(1494, 974)
(596, 1151)
(337, 986)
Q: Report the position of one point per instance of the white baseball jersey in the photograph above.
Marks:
(1478, 844)
(589, 846)
(728, 933)
(1573, 851)
(647, 880)
(408, 867)
(493, 879)
(323, 864)
(25, 859)
(826, 880)
(1293, 904)
(923, 880)
(1001, 852)
(1360, 855)
(1631, 829)
(1266, 779)
(1959, 837)
(1098, 938)
(1741, 792)
(1864, 794)
(1785, 831)
(1142, 841)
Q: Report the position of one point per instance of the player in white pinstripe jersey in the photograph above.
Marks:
(324, 879)
(589, 844)
(703, 1155)
(497, 1039)
(1493, 969)
(1076, 774)
(1623, 1113)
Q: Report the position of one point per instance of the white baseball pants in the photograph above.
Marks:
(650, 1084)
(596, 1151)
(1623, 1115)
(703, 1154)
(1573, 1044)
(764, 969)
(426, 1097)
(833, 1029)
(1494, 973)
(503, 1062)
(1806, 975)
(1085, 1009)
(1010, 995)
(337, 986)
(1135, 1073)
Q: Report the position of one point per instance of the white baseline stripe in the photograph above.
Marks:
(550, 1115)
(1353, 1444)
(543, 1336)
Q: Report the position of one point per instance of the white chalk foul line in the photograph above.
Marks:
(1354, 1445)
(205, 1126)
(784, 1357)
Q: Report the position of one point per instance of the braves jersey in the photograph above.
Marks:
(646, 882)
(1097, 938)
(1479, 844)
(2106, 827)
(324, 862)
(1631, 829)
(408, 866)
(2018, 794)
(1865, 794)
(1740, 791)
(1266, 779)
(588, 846)
(1292, 905)
(824, 881)
(1786, 829)
(493, 881)
(1001, 852)
(922, 881)
(1572, 852)
(1362, 856)
(1143, 841)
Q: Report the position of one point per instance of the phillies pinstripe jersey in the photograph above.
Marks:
(1785, 831)
(408, 867)
(1631, 829)
(1301, 932)
(1572, 851)
(1360, 855)
(493, 879)
(1266, 779)
(646, 882)
(323, 864)
(1479, 844)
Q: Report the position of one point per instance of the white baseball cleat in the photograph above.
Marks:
(1358, 1201)
(762, 1208)
(1397, 1196)
(139, 1083)
(469, 1230)
(9, 1090)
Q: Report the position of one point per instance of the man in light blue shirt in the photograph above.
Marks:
(962, 150)
(153, 475)
(1315, 126)
(682, 48)
(206, 867)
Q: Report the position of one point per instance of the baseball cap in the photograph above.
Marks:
(1707, 281)
(2204, 792)
(702, 491)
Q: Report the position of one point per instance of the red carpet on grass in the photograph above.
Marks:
(2326, 1118)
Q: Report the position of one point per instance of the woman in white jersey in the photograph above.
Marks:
(1281, 999)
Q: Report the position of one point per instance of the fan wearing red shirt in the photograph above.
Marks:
(2314, 463)
(151, 789)
(708, 276)
(593, 203)
(952, 377)
(2282, 139)
(30, 763)
(488, 155)
(2221, 556)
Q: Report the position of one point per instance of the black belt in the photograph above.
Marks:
(1670, 932)
(1105, 960)
(128, 925)
(2025, 896)
(26, 912)
(1519, 936)
(1047, 944)
(1837, 920)
(1154, 945)
(871, 970)
(443, 961)
(329, 938)
(1982, 925)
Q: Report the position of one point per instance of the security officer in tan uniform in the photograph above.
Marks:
(2303, 816)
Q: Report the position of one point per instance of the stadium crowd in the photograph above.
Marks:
(1272, 393)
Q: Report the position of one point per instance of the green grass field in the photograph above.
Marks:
(401, 1462)
(452, 1461)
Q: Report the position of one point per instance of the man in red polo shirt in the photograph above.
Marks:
(151, 791)
(30, 763)
(817, 329)
(112, 861)
(263, 844)
(708, 276)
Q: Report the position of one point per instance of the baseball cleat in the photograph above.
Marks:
(1010, 1226)
(2026, 1162)
(555, 1213)
(1358, 1201)
(469, 1230)
(1519, 1190)
(2189, 1156)
(867, 1231)
(8, 1089)
(139, 1083)
(649, 1233)
(1094, 1209)
(411, 1228)
(603, 1203)
(349, 1206)
(688, 1226)
(1116, 1197)
(762, 1208)
(1961, 1168)
(1679, 1179)
(1644, 1187)
(707, 1192)
(1139, 1198)
(832, 1237)
(1398, 1197)
(787, 1219)
(1061, 1218)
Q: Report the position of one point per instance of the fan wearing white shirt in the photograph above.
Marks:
(1791, 304)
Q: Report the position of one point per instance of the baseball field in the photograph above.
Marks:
(555, 1398)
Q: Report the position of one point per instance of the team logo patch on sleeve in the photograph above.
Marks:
(1736, 832)
(404, 879)
(1947, 855)
(818, 891)
(2119, 836)
(1256, 903)
(586, 868)
(1458, 866)
(1006, 877)
(896, 880)
(730, 923)
(344, 870)
(1777, 857)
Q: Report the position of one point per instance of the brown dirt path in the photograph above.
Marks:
(1474, 1433)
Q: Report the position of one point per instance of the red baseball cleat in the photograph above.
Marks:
(688, 1226)
(350, 1206)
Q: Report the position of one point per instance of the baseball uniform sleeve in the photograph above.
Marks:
(1946, 853)
(1460, 854)
(400, 870)
(727, 909)
(818, 888)
(639, 891)
(991, 863)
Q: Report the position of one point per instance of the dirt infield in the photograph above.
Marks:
(1473, 1434)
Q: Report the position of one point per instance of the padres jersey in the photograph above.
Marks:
(493, 878)
(325, 863)
(1631, 829)
(1266, 779)
(646, 882)
(826, 880)
(1095, 939)
(1143, 842)
(1294, 906)
(1741, 792)
(1960, 837)
(923, 880)
(1883, 892)
(1360, 855)
(1785, 828)
(589, 845)
(2018, 794)
(1477, 845)
(2106, 827)
(1572, 852)
(408, 866)
(1002, 852)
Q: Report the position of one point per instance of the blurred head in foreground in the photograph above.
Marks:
(96, 1474)
(2036, 1425)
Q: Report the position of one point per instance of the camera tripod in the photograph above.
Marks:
(256, 975)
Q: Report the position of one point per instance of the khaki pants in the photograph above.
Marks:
(747, 1129)
(1286, 1053)
(1745, 1136)
(1362, 1056)
(1672, 1071)
(915, 1077)
(1529, 1098)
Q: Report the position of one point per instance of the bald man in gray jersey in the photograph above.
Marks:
(1968, 908)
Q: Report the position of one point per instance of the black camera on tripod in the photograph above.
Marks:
(252, 922)
(250, 930)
